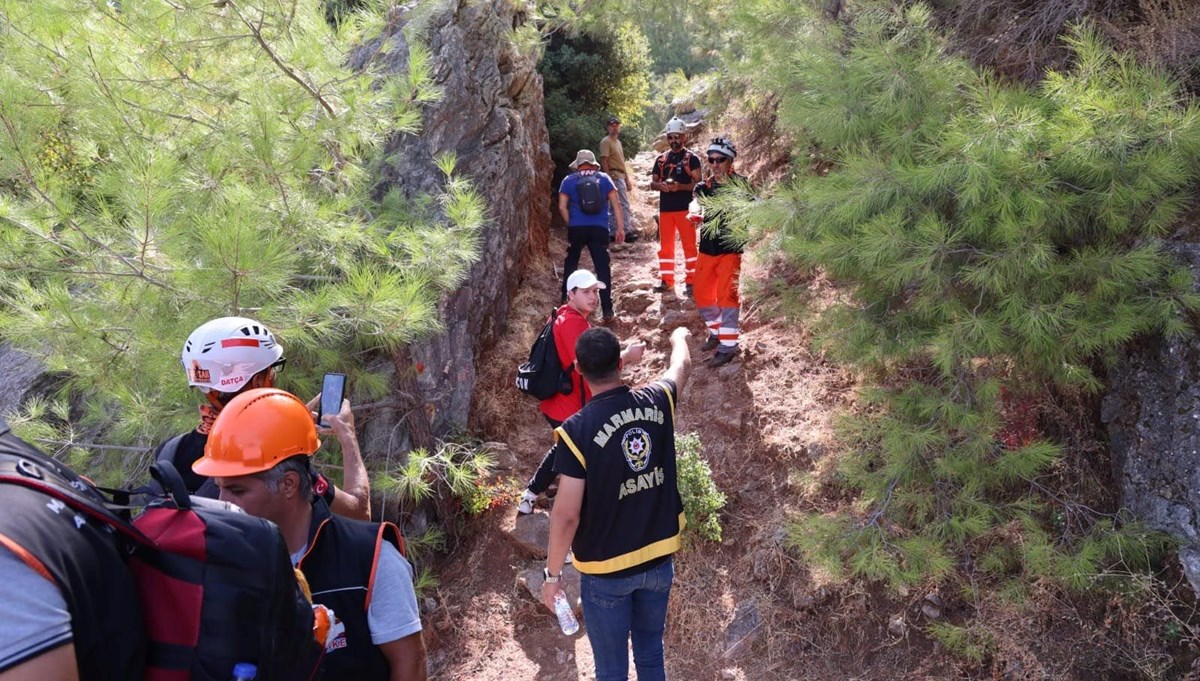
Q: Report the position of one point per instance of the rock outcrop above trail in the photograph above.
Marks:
(1153, 415)
(491, 117)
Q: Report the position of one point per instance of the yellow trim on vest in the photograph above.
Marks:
(645, 554)
(571, 446)
(667, 390)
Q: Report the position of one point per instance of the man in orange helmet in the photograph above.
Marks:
(259, 451)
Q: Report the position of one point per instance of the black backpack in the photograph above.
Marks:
(217, 586)
(591, 199)
(542, 375)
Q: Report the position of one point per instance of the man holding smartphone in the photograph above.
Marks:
(259, 453)
(229, 355)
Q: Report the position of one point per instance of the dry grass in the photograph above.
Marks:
(496, 405)
(1021, 39)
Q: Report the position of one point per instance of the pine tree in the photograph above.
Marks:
(998, 241)
(164, 163)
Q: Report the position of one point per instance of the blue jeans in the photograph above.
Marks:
(616, 607)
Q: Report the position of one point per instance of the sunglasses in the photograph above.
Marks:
(278, 366)
(717, 159)
(671, 138)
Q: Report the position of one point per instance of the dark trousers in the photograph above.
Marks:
(540, 482)
(596, 240)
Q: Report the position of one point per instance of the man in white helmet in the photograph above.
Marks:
(229, 355)
(720, 261)
(675, 174)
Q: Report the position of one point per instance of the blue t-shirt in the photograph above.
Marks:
(578, 217)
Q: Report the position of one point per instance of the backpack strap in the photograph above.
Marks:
(170, 449)
(34, 473)
(165, 474)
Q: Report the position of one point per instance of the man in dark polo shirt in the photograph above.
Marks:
(618, 505)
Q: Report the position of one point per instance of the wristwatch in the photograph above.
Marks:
(551, 579)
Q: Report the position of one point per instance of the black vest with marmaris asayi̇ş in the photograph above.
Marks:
(338, 566)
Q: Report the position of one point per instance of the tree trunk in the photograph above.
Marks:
(416, 418)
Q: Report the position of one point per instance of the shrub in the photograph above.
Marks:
(589, 76)
(702, 501)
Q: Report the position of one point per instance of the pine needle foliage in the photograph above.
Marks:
(454, 471)
(973, 644)
(164, 163)
(998, 240)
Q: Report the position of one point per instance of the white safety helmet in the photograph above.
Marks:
(224, 354)
(723, 146)
(676, 125)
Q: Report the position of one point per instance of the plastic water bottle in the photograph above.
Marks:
(566, 617)
(244, 671)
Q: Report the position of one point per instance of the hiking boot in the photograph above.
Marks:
(687, 290)
(710, 343)
(528, 499)
(720, 359)
(663, 287)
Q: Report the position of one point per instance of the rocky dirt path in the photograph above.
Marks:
(736, 608)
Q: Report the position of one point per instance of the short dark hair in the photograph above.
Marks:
(598, 353)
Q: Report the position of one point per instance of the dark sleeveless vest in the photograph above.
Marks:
(339, 566)
(87, 562)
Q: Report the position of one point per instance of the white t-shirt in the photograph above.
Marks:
(35, 616)
(393, 612)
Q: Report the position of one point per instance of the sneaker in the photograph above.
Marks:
(662, 287)
(528, 499)
(687, 290)
(710, 343)
(720, 359)
(608, 319)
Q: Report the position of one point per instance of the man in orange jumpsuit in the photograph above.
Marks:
(675, 174)
(720, 262)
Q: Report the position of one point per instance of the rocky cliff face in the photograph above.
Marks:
(491, 116)
(1153, 415)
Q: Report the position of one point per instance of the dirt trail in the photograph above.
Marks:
(760, 419)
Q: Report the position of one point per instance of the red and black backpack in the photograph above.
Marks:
(214, 587)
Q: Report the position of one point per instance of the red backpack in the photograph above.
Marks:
(216, 586)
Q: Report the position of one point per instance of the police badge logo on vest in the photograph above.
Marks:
(636, 445)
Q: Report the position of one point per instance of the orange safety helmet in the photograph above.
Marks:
(256, 430)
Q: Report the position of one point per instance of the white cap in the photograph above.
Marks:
(583, 279)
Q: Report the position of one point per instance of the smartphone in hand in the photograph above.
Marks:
(333, 390)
